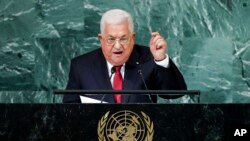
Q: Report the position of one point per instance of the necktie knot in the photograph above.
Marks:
(118, 69)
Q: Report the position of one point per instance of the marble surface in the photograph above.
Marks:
(209, 40)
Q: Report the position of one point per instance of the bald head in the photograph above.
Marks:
(116, 17)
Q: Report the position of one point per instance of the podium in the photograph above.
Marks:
(124, 122)
(196, 122)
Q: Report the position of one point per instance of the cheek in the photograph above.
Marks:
(106, 51)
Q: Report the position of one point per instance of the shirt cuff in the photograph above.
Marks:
(164, 63)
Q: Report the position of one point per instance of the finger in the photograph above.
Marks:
(153, 35)
(156, 40)
(160, 44)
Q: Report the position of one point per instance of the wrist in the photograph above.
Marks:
(160, 59)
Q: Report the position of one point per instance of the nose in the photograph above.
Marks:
(117, 44)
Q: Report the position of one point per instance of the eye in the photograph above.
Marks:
(111, 40)
(124, 40)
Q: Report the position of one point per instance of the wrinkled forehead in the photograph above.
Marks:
(117, 30)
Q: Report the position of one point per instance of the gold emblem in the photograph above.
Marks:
(125, 126)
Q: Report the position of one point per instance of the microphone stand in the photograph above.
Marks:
(143, 80)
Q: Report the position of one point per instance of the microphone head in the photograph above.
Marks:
(113, 70)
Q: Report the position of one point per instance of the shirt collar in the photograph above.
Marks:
(109, 66)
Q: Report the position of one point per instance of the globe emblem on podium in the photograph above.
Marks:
(125, 126)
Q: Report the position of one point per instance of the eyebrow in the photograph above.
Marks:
(110, 36)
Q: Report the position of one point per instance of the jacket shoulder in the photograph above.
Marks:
(88, 57)
(143, 53)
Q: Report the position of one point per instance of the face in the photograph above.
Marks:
(117, 43)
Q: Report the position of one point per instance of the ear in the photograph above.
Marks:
(100, 36)
(133, 36)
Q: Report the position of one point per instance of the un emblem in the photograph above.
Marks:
(125, 126)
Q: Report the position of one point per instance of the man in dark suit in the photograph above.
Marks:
(121, 65)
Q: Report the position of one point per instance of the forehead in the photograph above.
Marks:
(116, 29)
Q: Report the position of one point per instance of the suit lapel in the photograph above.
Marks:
(131, 75)
(100, 74)
(130, 80)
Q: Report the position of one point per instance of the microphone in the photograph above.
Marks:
(143, 80)
(112, 72)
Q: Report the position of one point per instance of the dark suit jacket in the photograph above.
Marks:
(89, 72)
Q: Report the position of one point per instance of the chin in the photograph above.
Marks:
(118, 63)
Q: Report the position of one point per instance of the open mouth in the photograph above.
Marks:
(118, 52)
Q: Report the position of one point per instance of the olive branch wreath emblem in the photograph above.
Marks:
(148, 122)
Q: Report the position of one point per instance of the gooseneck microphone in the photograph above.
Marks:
(143, 80)
(112, 72)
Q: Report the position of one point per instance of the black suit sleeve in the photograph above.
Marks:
(169, 79)
(73, 84)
